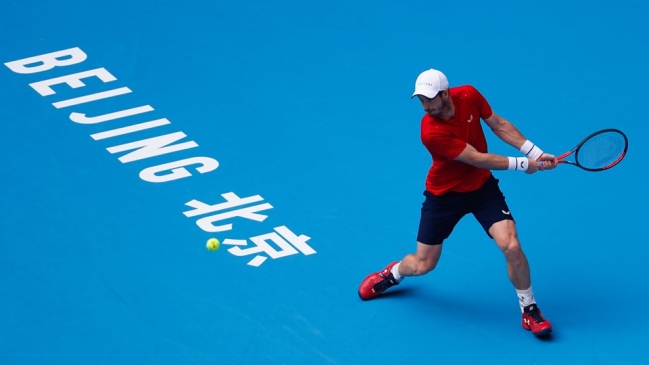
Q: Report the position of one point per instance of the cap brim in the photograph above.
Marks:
(425, 93)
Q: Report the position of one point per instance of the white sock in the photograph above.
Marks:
(395, 272)
(525, 297)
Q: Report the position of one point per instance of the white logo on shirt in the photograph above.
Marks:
(470, 119)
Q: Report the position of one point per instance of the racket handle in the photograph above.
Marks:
(542, 163)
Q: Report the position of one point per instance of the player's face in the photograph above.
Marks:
(435, 106)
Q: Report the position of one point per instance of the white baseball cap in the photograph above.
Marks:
(429, 83)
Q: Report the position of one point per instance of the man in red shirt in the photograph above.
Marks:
(460, 182)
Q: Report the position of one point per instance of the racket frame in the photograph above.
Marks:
(560, 159)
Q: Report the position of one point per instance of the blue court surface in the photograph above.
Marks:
(285, 129)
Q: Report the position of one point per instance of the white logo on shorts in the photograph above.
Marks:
(507, 212)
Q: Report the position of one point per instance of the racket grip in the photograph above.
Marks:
(542, 163)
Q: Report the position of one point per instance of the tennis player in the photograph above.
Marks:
(460, 182)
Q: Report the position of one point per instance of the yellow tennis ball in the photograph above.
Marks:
(213, 244)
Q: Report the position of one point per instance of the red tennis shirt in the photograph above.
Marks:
(446, 139)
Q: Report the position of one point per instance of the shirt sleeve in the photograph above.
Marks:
(442, 144)
(481, 103)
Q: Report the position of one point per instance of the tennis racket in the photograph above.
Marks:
(598, 152)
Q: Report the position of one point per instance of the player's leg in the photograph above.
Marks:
(439, 215)
(491, 210)
(420, 263)
(494, 215)
(505, 235)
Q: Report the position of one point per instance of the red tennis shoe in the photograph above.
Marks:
(376, 283)
(534, 321)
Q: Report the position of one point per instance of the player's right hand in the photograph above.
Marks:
(547, 161)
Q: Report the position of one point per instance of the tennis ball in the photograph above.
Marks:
(213, 244)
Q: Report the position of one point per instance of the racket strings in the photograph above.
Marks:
(601, 150)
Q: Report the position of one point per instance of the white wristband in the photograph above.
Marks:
(518, 163)
(531, 150)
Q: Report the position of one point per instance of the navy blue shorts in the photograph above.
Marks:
(440, 214)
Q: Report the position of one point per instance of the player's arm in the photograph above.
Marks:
(506, 131)
(491, 161)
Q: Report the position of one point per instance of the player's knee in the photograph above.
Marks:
(511, 248)
(425, 266)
